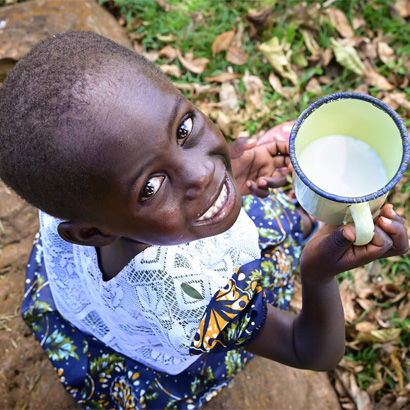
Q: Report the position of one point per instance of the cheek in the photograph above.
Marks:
(162, 228)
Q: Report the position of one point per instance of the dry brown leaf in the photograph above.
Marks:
(172, 69)
(385, 52)
(350, 314)
(239, 37)
(403, 7)
(360, 397)
(308, 16)
(278, 56)
(224, 123)
(340, 21)
(365, 327)
(362, 287)
(134, 24)
(393, 292)
(405, 82)
(358, 21)
(387, 99)
(327, 56)
(365, 304)
(168, 52)
(222, 42)
(196, 65)
(223, 77)
(374, 79)
(151, 55)
(401, 100)
(313, 86)
(236, 55)
(275, 83)
(404, 310)
(254, 89)
(374, 388)
(311, 43)
(325, 80)
(397, 369)
(139, 36)
(367, 50)
(259, 18)
(228, 98)
(164, 4)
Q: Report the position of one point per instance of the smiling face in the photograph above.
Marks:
(163, 166)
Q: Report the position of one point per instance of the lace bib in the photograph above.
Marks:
(151, 310)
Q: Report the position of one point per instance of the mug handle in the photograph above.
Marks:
(363, 222)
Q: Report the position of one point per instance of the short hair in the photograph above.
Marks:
(41, 112)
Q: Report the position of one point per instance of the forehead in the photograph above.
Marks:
(133, 100)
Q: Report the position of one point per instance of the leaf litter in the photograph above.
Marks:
(249, 68)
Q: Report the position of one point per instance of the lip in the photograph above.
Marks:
(225, 208)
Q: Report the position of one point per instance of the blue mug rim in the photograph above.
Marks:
(358, 96)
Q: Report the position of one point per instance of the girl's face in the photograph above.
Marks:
(164, 166)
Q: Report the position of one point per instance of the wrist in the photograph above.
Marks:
(316, 278)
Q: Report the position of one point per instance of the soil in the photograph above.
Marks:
(27, 378)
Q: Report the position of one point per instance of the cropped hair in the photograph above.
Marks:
(43, 120)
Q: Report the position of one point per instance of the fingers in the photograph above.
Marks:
(392, 225)
(239, 146)
(276, 147)
(256, 190)
(261, 187)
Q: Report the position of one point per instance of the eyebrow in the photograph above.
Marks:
(175, 108)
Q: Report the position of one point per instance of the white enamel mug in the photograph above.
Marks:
(365, 118)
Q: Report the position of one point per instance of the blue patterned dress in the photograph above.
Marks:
(99, 377)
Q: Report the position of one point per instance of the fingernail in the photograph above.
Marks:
(262, 182)
(250, 141)
(248, 184)
(387, 221)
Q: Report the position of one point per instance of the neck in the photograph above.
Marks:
(114, 257)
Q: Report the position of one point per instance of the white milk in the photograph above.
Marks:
(343, 166)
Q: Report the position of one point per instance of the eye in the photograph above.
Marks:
(184, 129)
(151, 187)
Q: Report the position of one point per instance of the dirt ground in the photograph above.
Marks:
(27, 378)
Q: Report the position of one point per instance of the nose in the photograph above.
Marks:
(198, 175)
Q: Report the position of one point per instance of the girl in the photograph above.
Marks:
(156, 275)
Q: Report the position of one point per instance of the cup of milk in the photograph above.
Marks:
(348, 150)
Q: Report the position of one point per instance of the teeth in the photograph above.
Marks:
(216, 206)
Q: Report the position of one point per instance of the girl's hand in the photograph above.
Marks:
(255, 166)
(331, 250)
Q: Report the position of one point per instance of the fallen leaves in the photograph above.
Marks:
(195, 65)
(348, 57)
(340, 21)
(278, 55)
(376, 307)
(222, 42)
(236, 55)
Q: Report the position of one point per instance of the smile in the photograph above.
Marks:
(221, 207)
(217, 205)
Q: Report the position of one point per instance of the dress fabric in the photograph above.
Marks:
(185, 321)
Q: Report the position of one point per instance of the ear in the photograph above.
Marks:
(83, 233)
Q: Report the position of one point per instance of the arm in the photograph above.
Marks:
(315, 339)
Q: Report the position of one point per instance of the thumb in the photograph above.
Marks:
(340, 240)
(240, 145)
